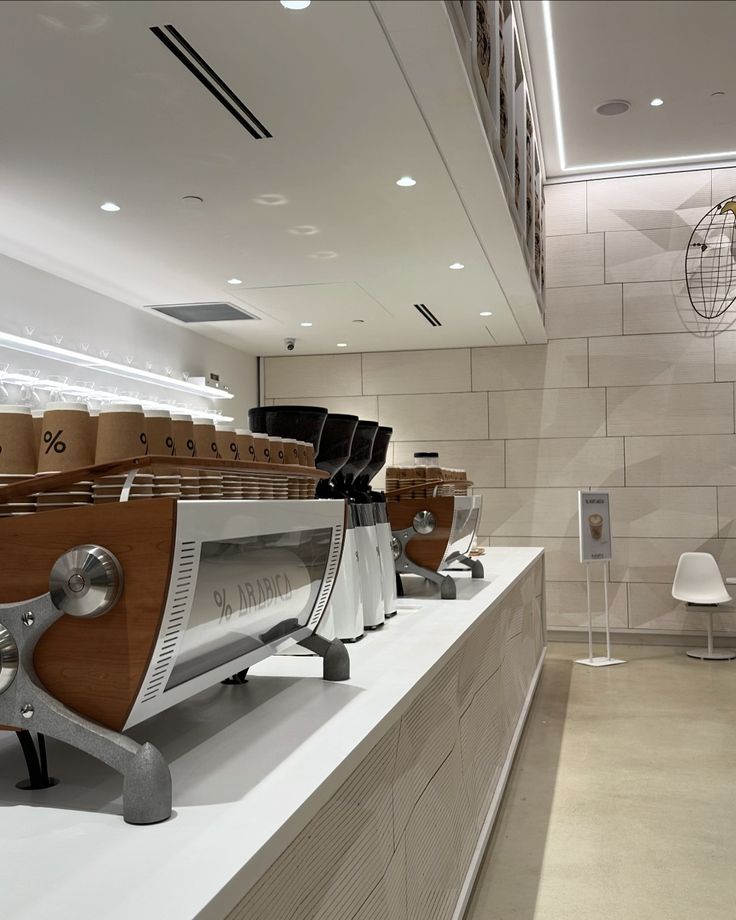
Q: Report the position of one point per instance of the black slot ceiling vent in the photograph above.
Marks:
(202, 312)
(172, 39)
(427, 314)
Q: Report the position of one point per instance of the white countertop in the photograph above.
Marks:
(251, 765)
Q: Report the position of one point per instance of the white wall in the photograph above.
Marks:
(630, 394)
(52, 307)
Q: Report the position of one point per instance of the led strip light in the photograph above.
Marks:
(557, 109)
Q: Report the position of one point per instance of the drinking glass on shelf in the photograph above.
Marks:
(55, 385)
(28, 395)
(4, 397)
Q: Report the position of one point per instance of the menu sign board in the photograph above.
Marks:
(594, 527)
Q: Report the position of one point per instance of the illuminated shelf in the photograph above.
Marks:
(91, 362)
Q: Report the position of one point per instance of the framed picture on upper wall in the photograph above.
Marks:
(483, 41)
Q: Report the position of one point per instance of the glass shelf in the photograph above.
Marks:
(55, 352)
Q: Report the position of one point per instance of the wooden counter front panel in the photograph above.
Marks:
(429, 549)
(95, 666)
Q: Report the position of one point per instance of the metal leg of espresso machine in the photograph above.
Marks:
(475, 566)
(335, 657)
(24, 701)
(405, 566)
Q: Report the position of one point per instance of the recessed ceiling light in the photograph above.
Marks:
(456, 266)
(304, 230)
(486, 313)
(358, 320)
(110, 206)
(613, 107)
(406, 181)
(295, 4)
(305, 324)
(323, 255)
(656, 102)
(718, 93)
(271, 200)
(342, 344)
(234, 281)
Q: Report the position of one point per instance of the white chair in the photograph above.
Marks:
(698, 583)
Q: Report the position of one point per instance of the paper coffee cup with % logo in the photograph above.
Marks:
(67, 438)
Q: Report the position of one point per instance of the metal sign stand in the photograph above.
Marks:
(591, 661)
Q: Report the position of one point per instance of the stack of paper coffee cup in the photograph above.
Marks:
(247, 451)
(227, 447)
(205, 439)
(121, 433)
(303, 484)
(160, 438)
(18, 454)
(66, 443)
(276, 458)
(263, 455)
(185, 446)
(291, 458)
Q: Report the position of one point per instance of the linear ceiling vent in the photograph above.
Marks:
(210, 79)
(427, 314)
(202, 312)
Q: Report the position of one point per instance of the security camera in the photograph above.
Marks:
(290, 343)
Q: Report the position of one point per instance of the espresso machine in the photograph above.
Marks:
(380, 514)
(344, 614)
(347, 482)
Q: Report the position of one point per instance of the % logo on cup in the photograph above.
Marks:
(226, 610)
(54, 441)
(144, 441)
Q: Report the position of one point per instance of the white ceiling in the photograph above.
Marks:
(681, 51)
(94, 108)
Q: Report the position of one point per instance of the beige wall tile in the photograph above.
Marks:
(681, 460)
(726, 356)
(574, 259)
(439, 371)
(646, 255)
(657, 306)
(483, 460)
(587, 310)
(648, 202)
(565, 462)
(561, 556)
(664, 512)
(724, 184)
(695, 408)
(530, 512)
(727, 511)
(561, 413)
(564, 209)
(439, 416)
(655, 561)
(561, 363)
(364, 406)
(567, 604)
(653, 607)
(650, 359)
(313, 375)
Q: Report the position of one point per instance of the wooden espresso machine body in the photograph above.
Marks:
(204, 590)
(433, 533)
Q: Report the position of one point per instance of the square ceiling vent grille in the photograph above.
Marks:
(202, 312)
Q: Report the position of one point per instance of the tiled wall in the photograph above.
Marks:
(631, 394)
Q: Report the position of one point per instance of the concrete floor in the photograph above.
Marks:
(622, 802)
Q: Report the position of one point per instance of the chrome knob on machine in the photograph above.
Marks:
(86, 581)
(8, 659)
(424, 522)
